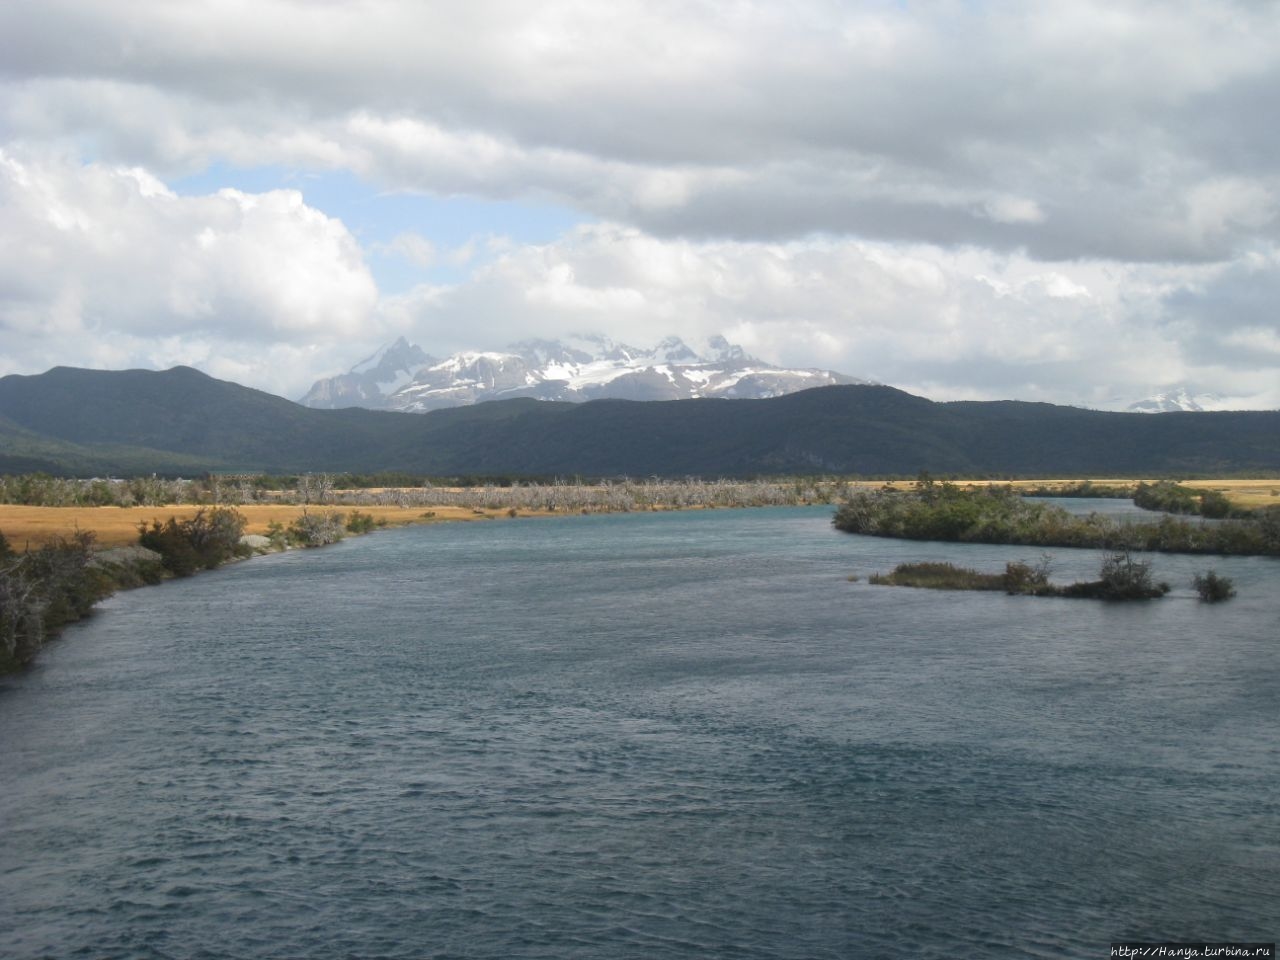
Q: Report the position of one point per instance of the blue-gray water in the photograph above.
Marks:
(641, 736)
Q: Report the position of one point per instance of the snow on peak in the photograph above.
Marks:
(673, 350)
(371, 381)
(581, 367)
(1178, 398)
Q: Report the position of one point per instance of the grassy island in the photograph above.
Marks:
(997, 514)
(1121, 577)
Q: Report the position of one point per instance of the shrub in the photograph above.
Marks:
(1021, 578)
(1215, 505)
(361, 522)
(1121, 577)
(317, 529)
(1213, 588)
(43, 589)
(277, 534)
(202, 542)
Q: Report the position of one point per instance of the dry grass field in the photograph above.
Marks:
(118, 526)
(1245, 493)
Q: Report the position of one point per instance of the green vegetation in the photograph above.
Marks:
(1121, 577)
(1084, 490)
(938, 576)
(43, 589)
(204, 541)
(942, 511)
(1213, 588)
(1170, 497)
(358, 522)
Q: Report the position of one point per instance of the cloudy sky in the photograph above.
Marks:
(1074, 202)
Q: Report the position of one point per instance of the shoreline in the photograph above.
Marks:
(117, 564)
(121, 563)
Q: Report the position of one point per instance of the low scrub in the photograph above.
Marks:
(40, 590)
(1212, 588)
(1170, 497)
(358, 522)
(942, 511)
(938, 576)
(1084, 490)
(201, 542)
(1121, 577)
(317, 529)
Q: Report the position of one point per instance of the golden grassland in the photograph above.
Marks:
(1244, 493)
(118, 526)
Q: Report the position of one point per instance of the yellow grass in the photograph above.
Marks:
(1244, 493)
(118, 526)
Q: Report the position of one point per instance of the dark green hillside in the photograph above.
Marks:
(1032, 438)
(180, 421)
(842, 429)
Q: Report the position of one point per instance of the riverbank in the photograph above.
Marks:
(118, 526)
(57, 563)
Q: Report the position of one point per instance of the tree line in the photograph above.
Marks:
(502, 493)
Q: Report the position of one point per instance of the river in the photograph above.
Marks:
(670, 735)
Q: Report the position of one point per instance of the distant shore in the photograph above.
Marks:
(116, 526)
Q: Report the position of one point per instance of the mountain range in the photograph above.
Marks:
(72, 421)
(401, 376)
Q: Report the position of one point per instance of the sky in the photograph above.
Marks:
(1069, 202)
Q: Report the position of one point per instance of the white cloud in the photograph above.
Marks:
(105, 266)
(966, 325)
(410, 246)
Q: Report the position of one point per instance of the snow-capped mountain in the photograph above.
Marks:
(1179, 398)
(371, 381)
(586, 368)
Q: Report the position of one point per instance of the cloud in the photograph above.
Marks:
(410, 246)
(945, 324)
(102, 266)
(1075, 131)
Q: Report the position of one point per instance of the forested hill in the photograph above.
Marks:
(73, 421)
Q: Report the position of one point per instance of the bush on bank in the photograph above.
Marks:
(43, 589)
(201, 542)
